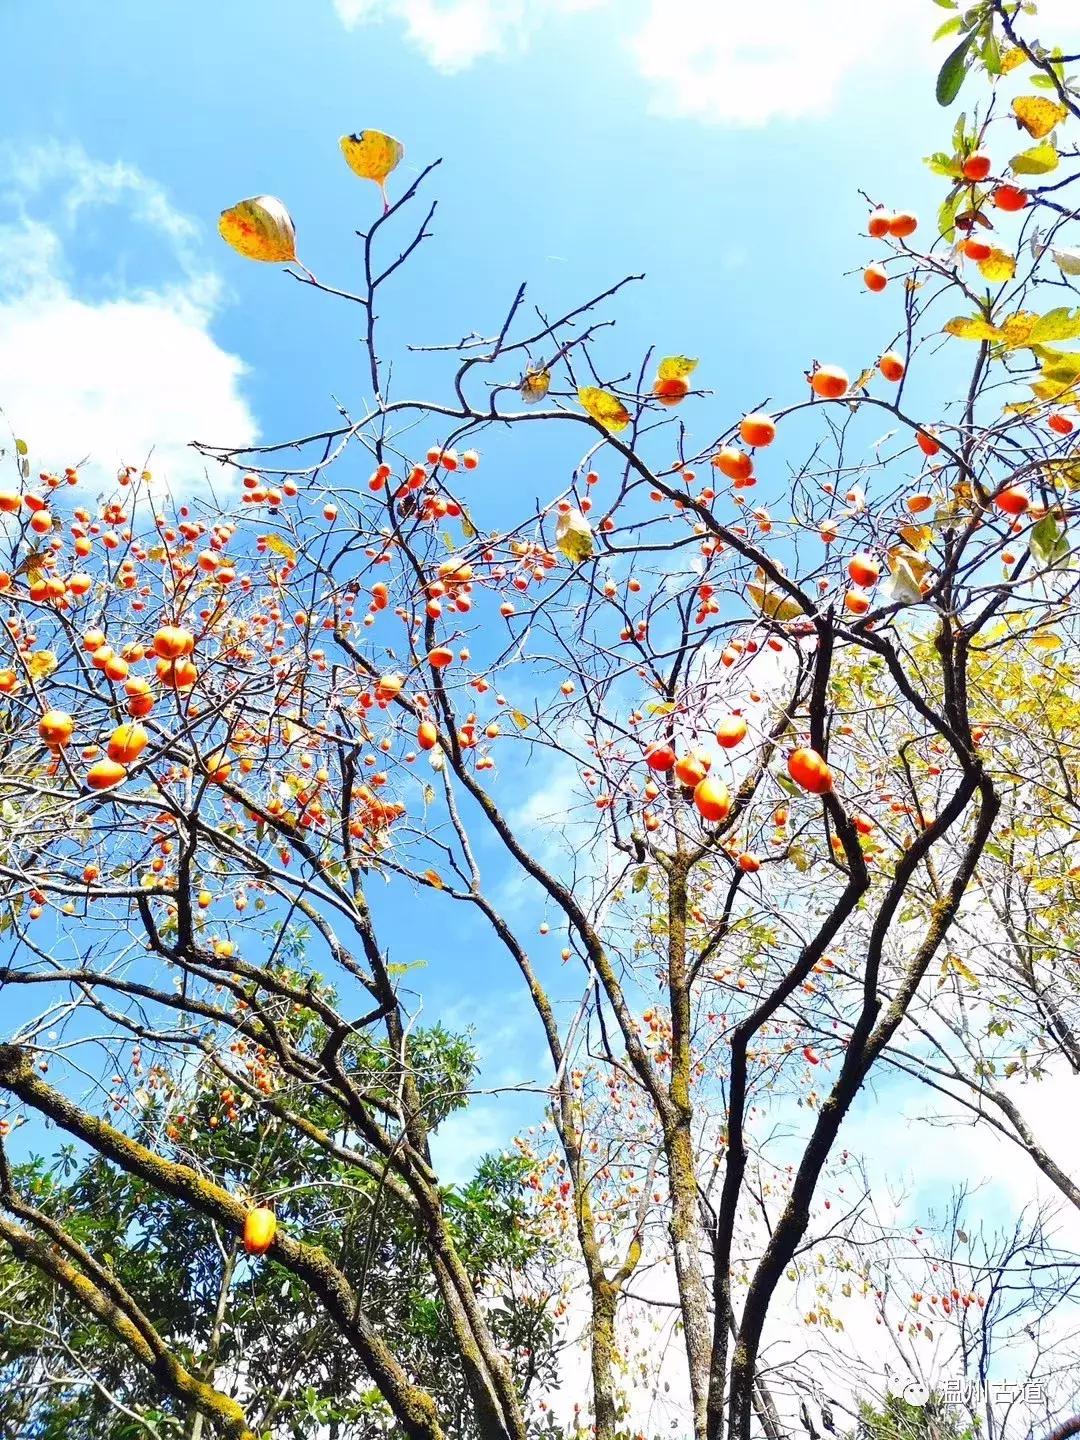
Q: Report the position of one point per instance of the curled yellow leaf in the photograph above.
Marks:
(574, 536)
(773, 602)
(259, 228)
(1038, 115)
(606, 409)
(534, 385)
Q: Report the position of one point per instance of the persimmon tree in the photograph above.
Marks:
(740, 656)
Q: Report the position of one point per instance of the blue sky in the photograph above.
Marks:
(719, 151)
(582, 140)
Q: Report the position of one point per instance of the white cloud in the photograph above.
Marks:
(735, 65)
(106, 351)
(453, 34)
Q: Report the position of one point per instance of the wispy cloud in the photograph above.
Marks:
(106, 350)
(741, 66)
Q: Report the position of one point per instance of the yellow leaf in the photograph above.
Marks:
(972, 327)
(259, 229)
(434, 879)
(1059, 324)
(1011, 59)
(917, 536)
(372, 155)
(676, 367)
(520, 719)
(280, 546)
(605, 408)
(574, 536)
(864, 379)
(1016, 329)
(1038, 115)
(774, 603)
(534, 385)
(1044, 640)
(999, 265)
(42, 664)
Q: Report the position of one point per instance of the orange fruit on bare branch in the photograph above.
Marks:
(105, 774)
(173, 641)
(712, 799)
(829, 382)
(692, 768)
(864, 569)
(736, 464)
(892, 366)
(56, 728)
(731, 732)
(126, 743)
(903, 224)
(810, 771)
(672, 381)
(660, 756)
(757, 430)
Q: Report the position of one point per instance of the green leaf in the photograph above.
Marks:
(951, 75)
(1039, 160)
(947, 213)
(1047, 543)
(641, 878)
(991, 54)
(1059, 324)
(21, 447)
(948, 27)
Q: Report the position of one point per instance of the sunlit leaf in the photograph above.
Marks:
(1047, 543)
(534, 385)
(520, 719)
(999, 265)
(1038, 115)
(42, 664)
(372, 155)
(660, 707)
(1044, 640)
(259, 228)
(641, 878)
(1039, 160)
(972, 327)
(676, 367)
(434, 879)
(1016, 330)
(574, 536)
(21, 447)
(1060, 324)
(773, 602)
(907, 570)
(917, 536)
(951, 75)
(605, 408)
(280, 546)
(1011, 59)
